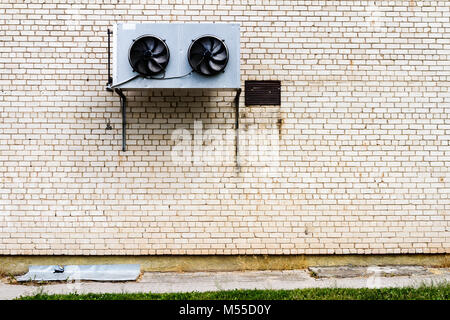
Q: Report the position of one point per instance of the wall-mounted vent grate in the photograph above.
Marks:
(263, 93)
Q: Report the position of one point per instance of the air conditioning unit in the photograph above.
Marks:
(176, 55)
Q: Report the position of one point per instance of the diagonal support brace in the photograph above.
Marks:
(123, 104)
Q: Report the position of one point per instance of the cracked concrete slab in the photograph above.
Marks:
(164, 282)
(381, 271)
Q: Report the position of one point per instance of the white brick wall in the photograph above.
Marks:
(363, 133)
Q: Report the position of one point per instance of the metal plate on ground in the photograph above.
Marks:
(113, 272)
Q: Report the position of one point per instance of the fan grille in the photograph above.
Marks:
(208, 55)
(149, 55)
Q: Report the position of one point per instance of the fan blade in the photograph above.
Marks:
(204, 68)
(137, 55)
(197, 49)
(207, 44)
(220, 57)
(218, 48)
(135, 61)
(160, 60)
(153, 67)
(199, 55)
(150, 43)
(195, 63)
(138, 46)
(214, 66)
(211, 70)
(141, 67)
(159, 48)
(136, 51)
(162, 53)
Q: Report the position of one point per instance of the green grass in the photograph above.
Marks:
(438, 292)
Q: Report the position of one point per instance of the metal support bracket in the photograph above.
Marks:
(123, 98)
(123, 104)
(236, 126)
(110, 79)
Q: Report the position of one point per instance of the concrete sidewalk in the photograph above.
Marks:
(319, 277)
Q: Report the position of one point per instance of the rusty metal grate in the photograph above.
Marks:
(263, 93)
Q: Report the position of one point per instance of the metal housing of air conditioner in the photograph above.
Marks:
(178, 37)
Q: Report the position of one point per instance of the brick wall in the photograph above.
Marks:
(362, 133)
